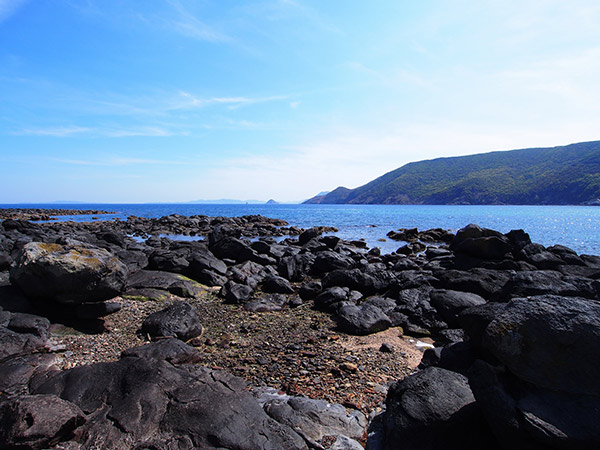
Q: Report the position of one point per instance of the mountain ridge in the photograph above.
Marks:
(545, 175)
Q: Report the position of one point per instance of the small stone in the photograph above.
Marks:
(349, 367)
(386, 348)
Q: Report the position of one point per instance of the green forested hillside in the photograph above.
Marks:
(558, 175)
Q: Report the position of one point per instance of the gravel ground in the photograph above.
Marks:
(296, 350)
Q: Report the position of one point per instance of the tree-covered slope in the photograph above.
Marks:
(558, 175)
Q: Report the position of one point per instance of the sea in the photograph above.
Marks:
(577, 227)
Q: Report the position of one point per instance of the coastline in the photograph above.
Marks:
(307, 315)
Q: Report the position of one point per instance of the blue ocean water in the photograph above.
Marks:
(577, 227)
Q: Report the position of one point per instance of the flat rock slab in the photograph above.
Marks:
(137, 402)
(314, 419)
(172, 283)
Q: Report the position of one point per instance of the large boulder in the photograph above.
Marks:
(450, 303)
(179, 320)
(277, 285)
(549, 341)
(540, 282)
(22, 333)
(433, 409)
(356, 279)
(236, 293)
(361, 320)
(526, 417)
(329, 260)
(484, 282)
(295, 267)
(485, 247)
(68, 274)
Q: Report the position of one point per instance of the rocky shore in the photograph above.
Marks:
(36, 214)
(264, 336)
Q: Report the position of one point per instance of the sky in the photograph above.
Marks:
(109, 101)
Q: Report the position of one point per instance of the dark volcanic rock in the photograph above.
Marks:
(173, 283)
(267, 303)
(22, 333)
(68, 274)
(540, 282)
(363, 319)
(450, 303)
(171, 350)
(541, 258)
(328, 260)
(17, 372)
(206, 261)
(310, 290)
(329, 298)
(476, 319)
(433, 409)
(233, 248)
(36, 421)
(179, 320)
(315, 418)
(295, 267)
(356, 279)
(5, 260)
(491, 247)
(278, 285)
(550, 342)
(525, 417)
(483, 282)
(98, 309)
(236, 293)
(142, 403)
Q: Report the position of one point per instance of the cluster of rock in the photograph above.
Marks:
(516, 327)
(522, 376)
(199, 225)
(44, 213)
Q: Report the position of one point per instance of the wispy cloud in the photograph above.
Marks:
(110, 132)
(187, 24)
(54, 131)
(119, 161)
(9, 7)
(188, 100)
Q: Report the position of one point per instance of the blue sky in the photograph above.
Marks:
(177, 100)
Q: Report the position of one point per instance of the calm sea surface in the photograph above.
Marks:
(577, 227)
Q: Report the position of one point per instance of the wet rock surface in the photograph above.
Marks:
(514, 324)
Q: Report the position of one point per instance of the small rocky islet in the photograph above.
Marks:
(266, 336)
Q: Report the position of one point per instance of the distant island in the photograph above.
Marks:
(566, 175)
